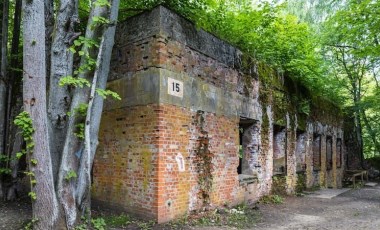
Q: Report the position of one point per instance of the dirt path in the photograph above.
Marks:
(357, 209)
(13, 215)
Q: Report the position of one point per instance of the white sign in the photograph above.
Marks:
(180, 162)
(175, 87)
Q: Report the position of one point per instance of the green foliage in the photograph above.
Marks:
(81, 110)
(80, 131)
(104, 93)
(301, 183)
(71, 174)
(98, 223)
(4, 159)
(279, 185)
(5, 171)
(272, 199)
(241, 152)
(34, 161)
(98, 21)
(24, 123)
(195, 10)
(102, 3)
(20, 154)
(32, 195)
(74, 81)
(29, 225)
(118, 221)
(350, 39)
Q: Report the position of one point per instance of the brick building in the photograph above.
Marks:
(197, 126)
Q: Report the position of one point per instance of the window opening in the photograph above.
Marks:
(279, 149)
(317, 152)
(249, 146)
(301, 151)
(339, 151)
(329, 151)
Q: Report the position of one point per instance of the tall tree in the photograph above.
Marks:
(68, 198)
(45, 204)
(14, 139)
(351, 44)
(3, 81)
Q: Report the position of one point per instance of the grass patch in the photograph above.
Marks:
(118, 220)
(271, 199)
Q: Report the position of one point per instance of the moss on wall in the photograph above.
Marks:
(279, 185)
(301, 182)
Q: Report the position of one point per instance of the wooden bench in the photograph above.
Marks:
(352, 174)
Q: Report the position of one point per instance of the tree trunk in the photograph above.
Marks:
(94, 110)
(45, 206)
(3, 83)
(49, 27)
(61, 66)
(357, 116)
(73, 147)
(11, 193)
(14, 101)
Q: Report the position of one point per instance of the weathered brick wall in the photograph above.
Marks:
(162, 155)
(126, 164)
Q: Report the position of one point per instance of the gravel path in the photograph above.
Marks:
(357, 209)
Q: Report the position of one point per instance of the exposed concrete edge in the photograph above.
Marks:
(151, 87)
(164, 21)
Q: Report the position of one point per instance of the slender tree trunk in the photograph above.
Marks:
(11, 193)
(45, 206)
(73, 147)
(357, 117)
(13, 144)
(15, 80)
(49, 27)
(61, 66)
(95, 109)
(3, 83)
(3, 74)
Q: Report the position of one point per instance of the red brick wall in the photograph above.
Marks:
(126, 162)
(136, 166)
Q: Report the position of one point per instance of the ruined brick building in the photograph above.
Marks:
(200, 124)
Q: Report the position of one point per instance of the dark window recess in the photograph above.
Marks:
(279, 149)
(248, 136)
(317, 152)
(329, 160)
(301, 151)
(339, 152)
(240, 167)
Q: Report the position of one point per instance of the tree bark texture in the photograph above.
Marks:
(13, 139)
(3, 74)
(12, 189)
(45, 207)
(49, 26)
(95, 109)
(61, 66)
(3, 83)
(73, 147)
